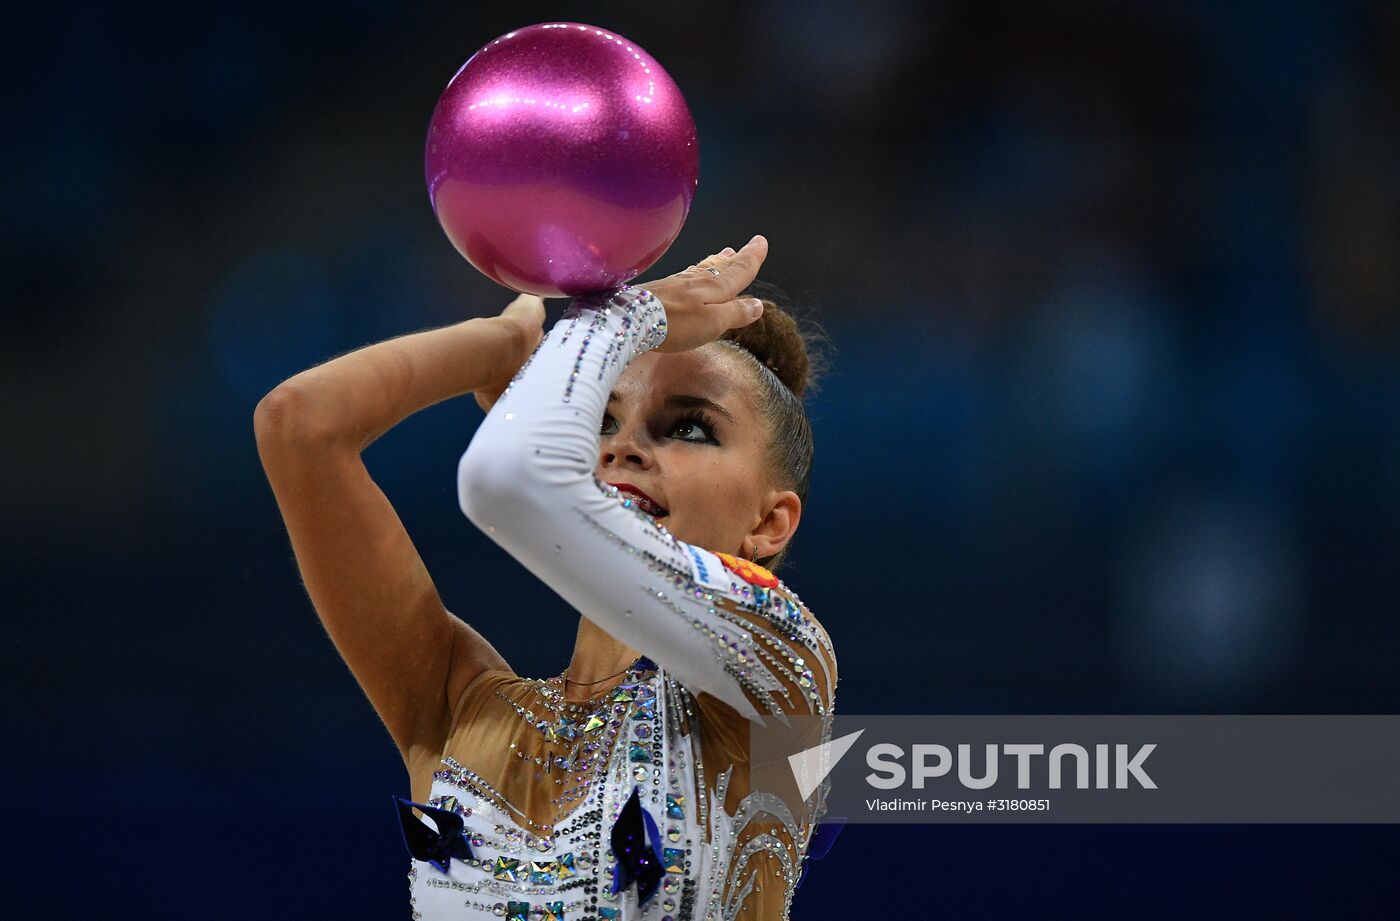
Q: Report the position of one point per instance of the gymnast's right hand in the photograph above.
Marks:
(524, 317)
(701, 306)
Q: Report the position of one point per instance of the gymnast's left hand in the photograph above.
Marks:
(702, 305)
(524, 319)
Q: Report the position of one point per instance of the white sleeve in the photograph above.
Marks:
(528, 481)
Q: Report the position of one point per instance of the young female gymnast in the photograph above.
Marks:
(648, 459)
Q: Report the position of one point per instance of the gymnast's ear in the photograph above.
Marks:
(779, 524)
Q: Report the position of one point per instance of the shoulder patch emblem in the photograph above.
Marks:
(750, 572)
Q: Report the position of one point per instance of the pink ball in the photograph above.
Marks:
(562, 160)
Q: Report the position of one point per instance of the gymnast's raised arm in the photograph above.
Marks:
(362, 572)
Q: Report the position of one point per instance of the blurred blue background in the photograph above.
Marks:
(1113, 424)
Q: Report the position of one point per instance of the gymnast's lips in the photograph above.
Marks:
(646, 503)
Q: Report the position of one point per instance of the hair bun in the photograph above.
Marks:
(781, 344)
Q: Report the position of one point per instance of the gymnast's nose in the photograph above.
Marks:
(627, 447)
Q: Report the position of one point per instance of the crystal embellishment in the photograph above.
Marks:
(543, 872)
(507, 869)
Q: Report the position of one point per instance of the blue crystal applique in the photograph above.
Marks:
(636, 844)
(439, 846)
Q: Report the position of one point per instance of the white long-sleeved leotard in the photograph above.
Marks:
(548, 791)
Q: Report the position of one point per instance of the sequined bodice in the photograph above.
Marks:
(643, 736)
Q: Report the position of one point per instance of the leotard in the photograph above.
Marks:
(642, 802)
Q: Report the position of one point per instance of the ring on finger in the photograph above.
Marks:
(712, 270)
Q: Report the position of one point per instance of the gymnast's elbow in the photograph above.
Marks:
(507, 477)
(485, 485)
(497, 484)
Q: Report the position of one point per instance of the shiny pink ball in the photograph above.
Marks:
(562, 160)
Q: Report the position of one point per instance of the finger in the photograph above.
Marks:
(739, 312)
(710, 266)
(527, 307)
(738, 271)
(715, 260)
(718, 258)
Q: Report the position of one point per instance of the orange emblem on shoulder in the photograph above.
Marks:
(750, 572)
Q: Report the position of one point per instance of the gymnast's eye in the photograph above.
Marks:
(697, 422)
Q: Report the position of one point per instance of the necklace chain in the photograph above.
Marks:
(565, 675)
(579, 726)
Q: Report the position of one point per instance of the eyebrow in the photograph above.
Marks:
(687, 401)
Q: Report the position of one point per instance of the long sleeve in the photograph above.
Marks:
(528, 481)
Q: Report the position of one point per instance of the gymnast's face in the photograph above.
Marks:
(683, 428)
